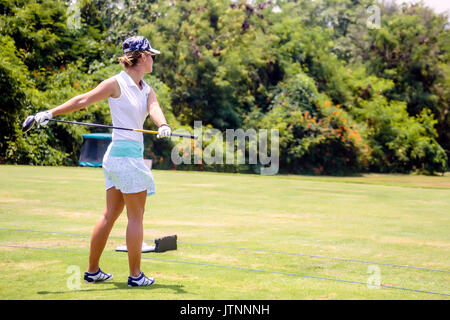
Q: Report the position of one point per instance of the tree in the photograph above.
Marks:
(216, 58)
(14, 84)
(411, 49)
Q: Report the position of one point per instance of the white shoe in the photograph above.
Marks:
(97, 276)
(142, 280)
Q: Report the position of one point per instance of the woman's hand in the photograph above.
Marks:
(164, 131)
(43, 117)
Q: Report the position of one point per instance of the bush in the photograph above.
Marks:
(401, 143)
(35, 148)
(316, 137)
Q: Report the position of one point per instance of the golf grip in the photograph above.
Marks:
(120, 128)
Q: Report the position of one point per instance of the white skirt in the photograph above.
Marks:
(124, 168)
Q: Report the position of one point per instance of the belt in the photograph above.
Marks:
(127, 148)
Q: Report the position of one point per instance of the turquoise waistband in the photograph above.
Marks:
(127, 148)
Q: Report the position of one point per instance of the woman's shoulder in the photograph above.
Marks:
(113, 83)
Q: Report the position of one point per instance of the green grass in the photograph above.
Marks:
(392, 219)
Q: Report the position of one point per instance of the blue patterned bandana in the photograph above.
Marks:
(138, 43)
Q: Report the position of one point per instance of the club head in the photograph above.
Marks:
(28, 124)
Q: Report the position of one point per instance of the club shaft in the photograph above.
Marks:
(120, 128)
(91, 124)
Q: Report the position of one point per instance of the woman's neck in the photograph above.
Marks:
(136, 75)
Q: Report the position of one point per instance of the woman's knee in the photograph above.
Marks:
(136, 214)
(111, 214)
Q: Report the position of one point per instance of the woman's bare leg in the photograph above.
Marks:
(114, 207)
(135, 203)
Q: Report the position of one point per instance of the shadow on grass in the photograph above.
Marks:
(178, 289)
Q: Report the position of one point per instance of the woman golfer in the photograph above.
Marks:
(128, 180)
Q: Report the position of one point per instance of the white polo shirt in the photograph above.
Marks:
(129, 110)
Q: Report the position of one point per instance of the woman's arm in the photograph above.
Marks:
(154, 110)
(105, 89)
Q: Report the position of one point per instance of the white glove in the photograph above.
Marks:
(164, 131)
(43, 117)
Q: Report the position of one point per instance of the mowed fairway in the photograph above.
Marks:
(239, 236)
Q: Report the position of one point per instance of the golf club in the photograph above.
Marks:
(29, 123)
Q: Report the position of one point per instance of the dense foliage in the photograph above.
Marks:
(347, 92)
